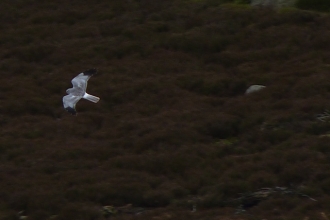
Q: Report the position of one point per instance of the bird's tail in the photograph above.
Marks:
(91, 98)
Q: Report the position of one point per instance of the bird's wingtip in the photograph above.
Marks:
(71, 110)
(90, 72)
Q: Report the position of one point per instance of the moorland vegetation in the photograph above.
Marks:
(174, 134)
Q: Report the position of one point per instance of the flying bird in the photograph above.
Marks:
(79, 91)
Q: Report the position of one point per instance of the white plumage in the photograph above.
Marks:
(79, 91)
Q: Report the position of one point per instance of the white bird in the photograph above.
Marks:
(79, 91)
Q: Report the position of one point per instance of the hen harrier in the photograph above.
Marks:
(79, 91)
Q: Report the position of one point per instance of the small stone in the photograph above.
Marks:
(254, 88)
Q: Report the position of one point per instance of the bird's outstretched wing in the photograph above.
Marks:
(80, 81)
(69, 103)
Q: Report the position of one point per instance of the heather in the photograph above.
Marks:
(174, 134)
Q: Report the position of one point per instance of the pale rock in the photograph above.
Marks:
(254, 88)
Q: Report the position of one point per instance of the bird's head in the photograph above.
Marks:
(68, 91)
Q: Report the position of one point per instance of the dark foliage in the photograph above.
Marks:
(174, 130)
(318, 5)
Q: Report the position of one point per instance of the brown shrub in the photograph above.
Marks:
(173, 121)
(80, 211)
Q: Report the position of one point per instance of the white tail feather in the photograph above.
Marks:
(91, 98)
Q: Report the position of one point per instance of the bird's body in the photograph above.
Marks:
(79, 91)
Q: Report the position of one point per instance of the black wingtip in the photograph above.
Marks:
(71, 110)
(90, 72)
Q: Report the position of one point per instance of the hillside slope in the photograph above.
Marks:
(173, 129)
